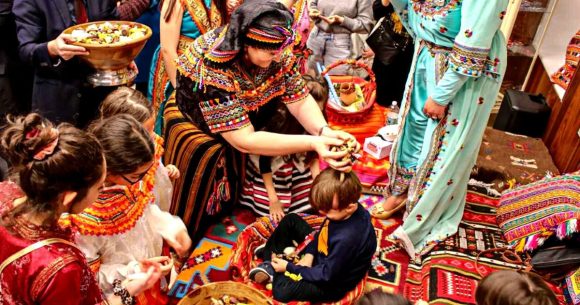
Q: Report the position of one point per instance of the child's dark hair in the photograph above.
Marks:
(285, 123)
(46, 161)
(125, 100)
(126, 144)
(510, 287)
(318, 88)
(329, 183)
(379, 297)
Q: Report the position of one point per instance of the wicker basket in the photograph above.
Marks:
(202, 295)
(336, 113)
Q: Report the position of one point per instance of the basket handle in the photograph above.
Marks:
(352, 62)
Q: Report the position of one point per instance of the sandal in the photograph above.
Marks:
(378, 212)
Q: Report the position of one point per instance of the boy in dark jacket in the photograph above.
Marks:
(340, 253)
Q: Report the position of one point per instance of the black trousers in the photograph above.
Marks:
(284, 289)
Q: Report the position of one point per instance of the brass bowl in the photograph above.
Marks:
(116, 56)
(202, 295)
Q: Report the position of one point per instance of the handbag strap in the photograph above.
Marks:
(34, 246)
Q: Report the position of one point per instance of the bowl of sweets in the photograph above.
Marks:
(112, 46)
(225, 293)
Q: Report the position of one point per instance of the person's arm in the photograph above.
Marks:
(363, 22)
(329, 268)
(98, 253)
(70, 285)
(170, 33)
(315, 168)
(265, 164)
(308, 114)
(132, 9)
(480, 21)
(33, 48)
(172, 229)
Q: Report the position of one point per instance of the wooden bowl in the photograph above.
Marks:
(202, 295)
(115, 56)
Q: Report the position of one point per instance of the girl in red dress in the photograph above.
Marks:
(57, 169)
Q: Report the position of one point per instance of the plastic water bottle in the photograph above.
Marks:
(393, 115)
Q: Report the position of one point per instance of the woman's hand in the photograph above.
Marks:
(335, 159)
(339, 134)
(334, 19)
(434, 110)
(61, 47)
(172, 171)
(142, 281)
(314, 13)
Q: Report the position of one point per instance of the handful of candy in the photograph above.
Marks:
(350, 147)
(227, 300)
(107, 33)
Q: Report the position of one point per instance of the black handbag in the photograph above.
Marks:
(385, 42)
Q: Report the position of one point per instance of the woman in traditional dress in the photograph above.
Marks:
(181, 22)
(229, 83)
(58, 170)
(457, 70)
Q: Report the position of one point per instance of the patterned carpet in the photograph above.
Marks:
(448, 275)
(210, 260)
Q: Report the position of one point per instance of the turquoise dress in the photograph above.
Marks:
(160, 87)
(459, 61)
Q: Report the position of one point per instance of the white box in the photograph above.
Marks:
(377, 147)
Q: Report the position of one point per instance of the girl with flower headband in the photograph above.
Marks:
(124, 226)
(58, 170)
(229, 83)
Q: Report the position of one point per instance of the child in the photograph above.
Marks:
(126, 100)
(283, 183)
(123, 226)
(56, 169)
(339, 255)
(510, 287)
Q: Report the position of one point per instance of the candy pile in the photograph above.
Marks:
(227, 300)
(107, 33)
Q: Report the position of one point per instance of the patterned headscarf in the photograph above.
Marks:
(265, 24)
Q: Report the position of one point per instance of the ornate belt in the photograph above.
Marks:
(435, 48)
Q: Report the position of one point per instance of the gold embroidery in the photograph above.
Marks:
(198, 12)
(40, 282)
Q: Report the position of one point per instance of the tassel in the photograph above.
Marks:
(520, 245)
(572, 226)
(323, 239)
(532, 243)
(561, 230)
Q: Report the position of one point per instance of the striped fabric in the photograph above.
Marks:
(210, 172)
(529, 214)
(292, 187)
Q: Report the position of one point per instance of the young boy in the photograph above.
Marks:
(339, 255)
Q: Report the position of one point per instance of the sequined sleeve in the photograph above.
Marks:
(480, 22)
(296, 89)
